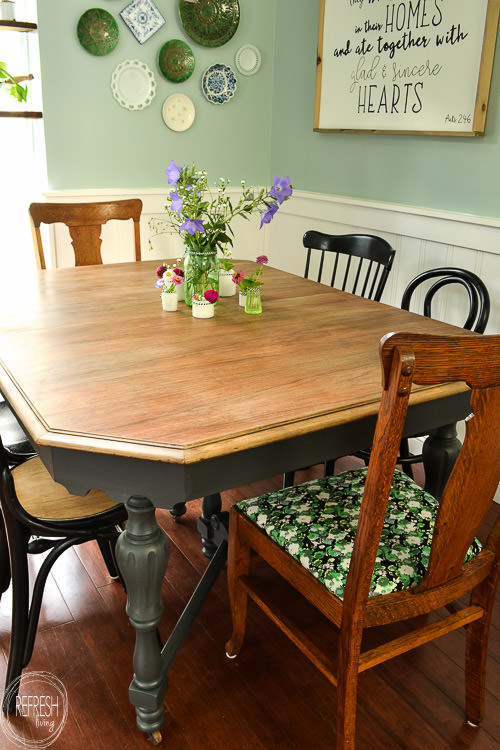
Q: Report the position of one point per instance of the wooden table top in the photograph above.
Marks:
(89, 360)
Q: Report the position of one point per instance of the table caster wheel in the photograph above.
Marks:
(155, 738)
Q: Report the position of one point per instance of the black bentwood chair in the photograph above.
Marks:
(40, 515)
(476, 320)
(364, 272)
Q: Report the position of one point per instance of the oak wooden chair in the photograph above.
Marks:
(84, 221)
(369, 261)
(40, 515)
(369, 547)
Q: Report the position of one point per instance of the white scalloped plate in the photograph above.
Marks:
(247, 60)
(133, 84)
(178, 112)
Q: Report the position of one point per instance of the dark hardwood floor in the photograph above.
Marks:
(269, 698)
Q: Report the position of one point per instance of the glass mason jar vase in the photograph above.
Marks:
(253, 304)
(201, 272)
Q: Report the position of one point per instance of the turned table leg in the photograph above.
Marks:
(440, 452)
(142, 552)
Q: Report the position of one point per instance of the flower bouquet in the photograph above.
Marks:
(249, 286)
(203, 216)
(203, 304)
(169, 280)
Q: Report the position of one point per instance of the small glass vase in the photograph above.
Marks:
(253, 304)
(201, 272)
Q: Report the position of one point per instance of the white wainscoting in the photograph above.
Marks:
(422, 239)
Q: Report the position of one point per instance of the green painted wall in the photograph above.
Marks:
(93, 142)
(449, 173)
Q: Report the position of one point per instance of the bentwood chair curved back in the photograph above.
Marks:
(370, 548)
(40, 515)
(476, 320)
(479, 299)
(367, 264)
(84, 221)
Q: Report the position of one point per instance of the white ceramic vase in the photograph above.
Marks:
(169, 301)
(227, 287)
(242, 299)
(202, 308)
(179, 290)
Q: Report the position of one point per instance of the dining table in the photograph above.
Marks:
(158, 408)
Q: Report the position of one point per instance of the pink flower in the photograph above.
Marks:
(238, 276)
(177, 279)
(262, 259)
(211, 296)
(160, 271)
(179, 272)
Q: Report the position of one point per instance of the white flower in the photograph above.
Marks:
(294, 548)
(304, 519)
(304, 561)
(414, 540)
(406, 570)
(261, 519)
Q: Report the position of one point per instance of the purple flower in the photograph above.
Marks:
(266, 216)
(176, 202)
(281, 190)
(179, 271)
(173, 173)
(192, 226)
(262, 259)
(159, 284)
(211, 296)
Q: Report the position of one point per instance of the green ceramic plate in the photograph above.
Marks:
(211, 23)
(176, 60)
(97, 31)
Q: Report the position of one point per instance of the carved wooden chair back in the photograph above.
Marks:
(365, 272)
(84, 221)
(479, 299)
(455, 566)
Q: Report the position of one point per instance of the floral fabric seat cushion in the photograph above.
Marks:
(316, 522)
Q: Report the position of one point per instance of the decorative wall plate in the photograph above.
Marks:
(211, 23)
(178, 112)
(247, 59)
(133, 84)
(176, 60)
(143, 18)
(97, 31)
(218, 83)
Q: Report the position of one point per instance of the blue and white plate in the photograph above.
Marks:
(218, 83)
(143, 18)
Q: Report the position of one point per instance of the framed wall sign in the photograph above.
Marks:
(405, 66)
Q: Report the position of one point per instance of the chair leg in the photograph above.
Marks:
(476, 649)
(20, 608)
(107, 551)
(4, 560)
(329, 468)
(404, 452)
(238, 565)
(288, 479)
(347, 688)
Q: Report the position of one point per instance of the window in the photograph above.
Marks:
(23, 172)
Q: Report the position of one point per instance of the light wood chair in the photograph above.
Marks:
(369, 547)
(41, 516)
(84, 221)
